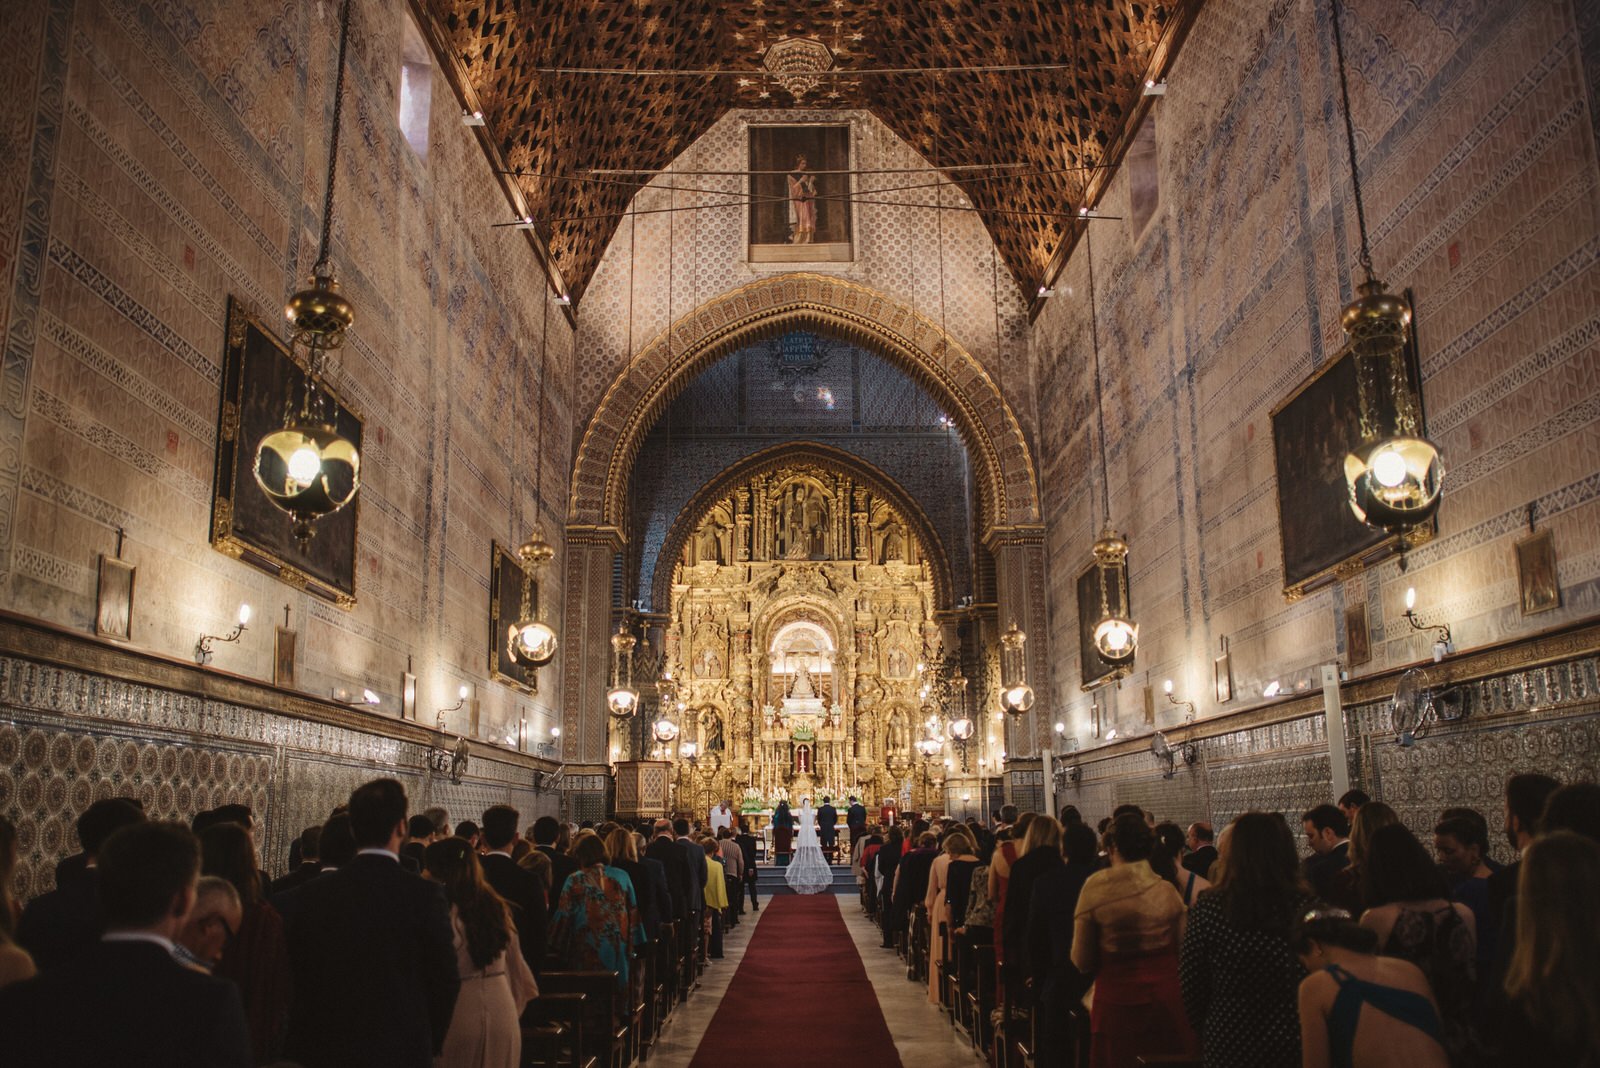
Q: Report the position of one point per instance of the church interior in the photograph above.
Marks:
(611, 409)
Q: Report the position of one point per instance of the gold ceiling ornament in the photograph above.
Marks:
(797, 64)
(1396, 476)
(622, 699)
(1116, 636)
(306, 467)
(1016, 696)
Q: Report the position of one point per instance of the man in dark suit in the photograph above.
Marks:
(747, 845)
(127, 1001)
(680, 880)
(1202, 853)
(546, 832)
(855, 818)
(1526, 795)
(520, 887)
(58, 927)
(828, 826)
(310, 862)
(888, 866)
(1328, 834)
(695, 857)
(372, 951)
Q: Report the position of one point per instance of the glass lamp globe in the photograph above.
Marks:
(665, 730)
(308, 469)
(961, 729)
(1396, 483)
(623, 701)
(1017, 698)
(1116, 638)
(533, 642)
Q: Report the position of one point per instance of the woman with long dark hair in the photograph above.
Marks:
(495, 980)
(258, 957)
(1238, 971)
(1164, 862)
(782, 831)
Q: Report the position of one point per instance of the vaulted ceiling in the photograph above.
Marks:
(1057, 123)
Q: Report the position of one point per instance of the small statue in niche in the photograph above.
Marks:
(899, 663)
(708, 545)
(713, 731)
(707, 664)
(894, 545)
(899, 734)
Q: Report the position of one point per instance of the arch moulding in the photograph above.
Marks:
(1007, 482)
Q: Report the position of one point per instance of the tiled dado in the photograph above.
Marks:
(1530, 706)
(71, 735)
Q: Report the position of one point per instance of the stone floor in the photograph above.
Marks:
(922, 1032)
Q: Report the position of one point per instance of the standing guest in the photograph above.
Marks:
(1402, 1030)
(58, 927)
(1344, 890)
(1410, 910)
(828, 826)
(1351, 802)
(722, 817)
(496, 983)
(337, 845)
(1238, 971)
(888, 864)
(372, 950)
(211, 925)
(655, 904)
(1525, 798)
(716, 891)
(855, 821)
(1128, 926)
(733, 864)
(694, 857)
(680, 880)
(310, 865)
(747, 845)
(1459, 845)
(547, 835)
(911, 877)
(257, 958)
(1057, 985)
(1041, 856)
(520, 887)
(1575, 807)
(419, 835)
(470, 832)
(126, 1001)
(1552, 983)
(1328, 834)
(949, 883)
(595, 925)
(1202, 852)
(441, 823)
(782, 833)
(15, 963)
(1164, 860)
(1007, 853)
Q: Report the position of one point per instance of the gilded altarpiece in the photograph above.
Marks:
(800, 624)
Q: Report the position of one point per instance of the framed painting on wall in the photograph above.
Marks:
(260, 376)
(1313, 430)
(1096, 670)
(284, 642)
(113, 616)
(512, 596)
(1357, 639)
(1538, 588)
(800, 194)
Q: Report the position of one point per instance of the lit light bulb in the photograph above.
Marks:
(462, 692)
(555, 732)
(369, 697)
(1111, 734)
(304, 465)
(1272, 689)
(1061, 728)
(1167, 686)
(1411, 598)
(244, 614)
(1389, 468)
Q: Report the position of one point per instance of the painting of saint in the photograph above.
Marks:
(708, 665)
(1536, 574)
(800, 194)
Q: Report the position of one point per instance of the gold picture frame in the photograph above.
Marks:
(1222, 677)
(113, 608)
(1538, 584)
(800, 213)
(285, 647)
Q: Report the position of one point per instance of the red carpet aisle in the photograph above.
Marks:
(800, 998)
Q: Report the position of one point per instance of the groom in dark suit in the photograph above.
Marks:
(855, 818)
(828, 825)
(372, 951)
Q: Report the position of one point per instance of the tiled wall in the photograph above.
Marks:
(1476, 133)
(159, 157)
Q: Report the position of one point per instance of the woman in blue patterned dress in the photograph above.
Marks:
(596, 920)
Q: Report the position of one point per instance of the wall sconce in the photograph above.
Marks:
(1442, 645)
(202, 648)
(1016, 696)
(622, 699)
(461, 694)
(1188, 717)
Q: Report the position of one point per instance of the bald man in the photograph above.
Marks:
(211, 925)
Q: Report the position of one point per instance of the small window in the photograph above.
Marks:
(1144, 184)
(416, 88)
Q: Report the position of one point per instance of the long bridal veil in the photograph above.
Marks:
(808, 872)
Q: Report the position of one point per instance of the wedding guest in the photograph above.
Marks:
(520, 887)
(655, 903)
(1328, 834)
(1164, 861)
(1238, 971)
(15, 963)
(1348, 978)
(1525, 798)
(60, 926)
(1202, 852)
(911, 878)
(1344, 889)
(1128, 927)
(419, 833)
(126, 1001)
(468, 831)
(888, 865)
(595, 924)
(547, 833)
(1007, 852)
(1552, 983)
(1574, 807)
(210, 926)
(1459, 845)
(733, 864)
(694, 856)
(949, 880)
(310, 865)
(680, 880)
(1041, 855)
(440, 819)
(1057, 985)
(716, 895)
(496, 982)
(337, 845)
(782, 832)
(1351, 802)
(257, 957)
(372, 950)
(1411, 913)
(747, 845)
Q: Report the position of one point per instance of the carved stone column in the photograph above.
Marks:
(1021, 596)
(861, 515)
(586, 644)
(741, 523)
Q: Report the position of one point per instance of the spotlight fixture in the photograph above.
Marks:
(1442, 643)
(1155, 88)
(1016, 696)
(202, 648)
(564, 299)
(622, 699)
(471, 118)
(1272, 689)
(1046, 291)
(1087, 212)
(524, 223)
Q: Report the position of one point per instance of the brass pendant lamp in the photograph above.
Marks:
(1396, 476)
(532, 639)
(306, 467)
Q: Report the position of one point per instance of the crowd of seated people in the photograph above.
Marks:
(389, 940)
(1335, 936)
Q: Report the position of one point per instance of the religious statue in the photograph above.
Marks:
(802, 687)
(894, 546)
(899, 734)
(899, 663)
(708, 546)
(707, 664)
(713, 731)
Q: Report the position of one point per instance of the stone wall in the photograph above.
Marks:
(1476, 134)
(162, 157)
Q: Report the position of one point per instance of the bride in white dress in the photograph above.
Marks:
(808, 872)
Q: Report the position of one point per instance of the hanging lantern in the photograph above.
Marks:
(1395, 478)
(532, 640)
(664, 730)
(929, 748)
(622, 699)
(1016, 696)
(1116, 636)
(961, 729)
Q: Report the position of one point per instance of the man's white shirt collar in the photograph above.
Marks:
(138, 936)
(380, 851)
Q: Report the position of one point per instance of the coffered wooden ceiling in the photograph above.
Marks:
(1057, 122)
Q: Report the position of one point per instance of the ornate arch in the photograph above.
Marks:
(1007, 481)
(771, 459)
